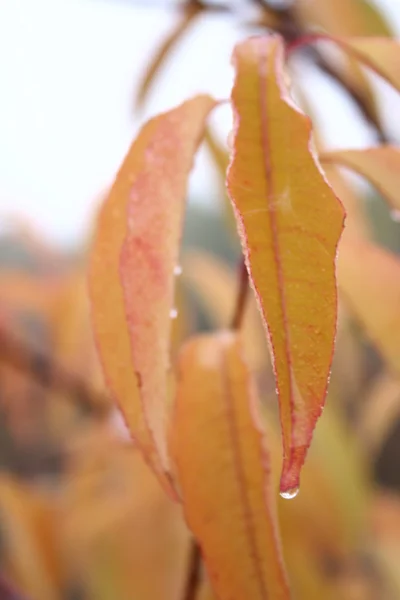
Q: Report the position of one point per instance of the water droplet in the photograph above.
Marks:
(395, 214)
(173, 313)
(289, 494)
(177, 270)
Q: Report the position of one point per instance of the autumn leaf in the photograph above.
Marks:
(380, 54)
(131, 272)
(357, 223)
(290, 223)
(223, 469)
(369, 278)
(119, 528)
(381, 166)
(30, 540)
(346, 18)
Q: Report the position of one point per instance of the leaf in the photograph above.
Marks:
(190, 11)
(343, 17)
(380, 54)
(150, 254)
(223, 469)
(131, 247)
(380, 166)
(357, 224)
(290, 223)
(346, 18)
(30, 539)
(124, 537)
(369, 278)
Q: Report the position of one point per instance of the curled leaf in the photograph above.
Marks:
(380, 166)
(130, 245)
(224, 472)
(290, 223)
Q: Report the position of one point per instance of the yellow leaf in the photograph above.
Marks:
(381, 166)
(137, 239)
(223, 470)
(369, 278)
(290, 223)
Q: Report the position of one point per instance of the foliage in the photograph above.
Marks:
(206, 411)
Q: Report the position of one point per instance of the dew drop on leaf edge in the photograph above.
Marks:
(173, 313)
(290, 494)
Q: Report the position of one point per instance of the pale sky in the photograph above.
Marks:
(68, 69)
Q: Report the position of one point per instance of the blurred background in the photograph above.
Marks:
(80, 515)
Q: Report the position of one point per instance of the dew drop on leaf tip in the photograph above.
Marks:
(290, 493)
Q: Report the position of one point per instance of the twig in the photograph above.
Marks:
(241, 297)
(45, 371)
(193, 573)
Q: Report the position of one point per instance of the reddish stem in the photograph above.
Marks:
(241, 297)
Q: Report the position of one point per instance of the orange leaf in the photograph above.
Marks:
(150, 253)
(30, 538)
(164, 149)
(224, 472)
(381, 166)
(290, 223)
(346, 18)
(369, 278)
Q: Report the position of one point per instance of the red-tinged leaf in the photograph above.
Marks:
(190, 12)
(150, 253)
(290, 223)
(381, 166)
(175, 133)
(369, 278)
(224, 471)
